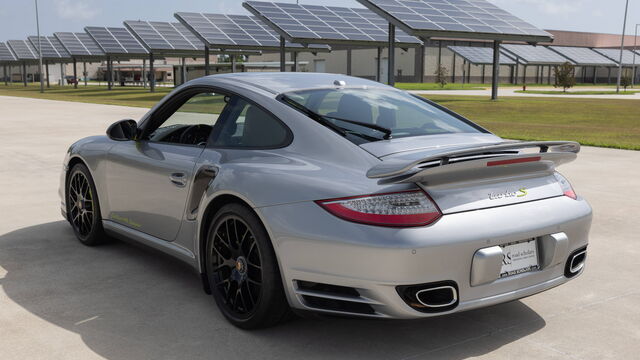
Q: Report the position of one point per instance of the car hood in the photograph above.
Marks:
(436, 143)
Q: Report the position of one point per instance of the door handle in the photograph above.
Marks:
(178, 179)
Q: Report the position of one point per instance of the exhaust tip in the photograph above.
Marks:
(441, 296)
(576, 262)
(431, 298)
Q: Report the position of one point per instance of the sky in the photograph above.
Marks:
(17, 17)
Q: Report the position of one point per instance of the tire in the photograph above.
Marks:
(243, 271)
(83, 208)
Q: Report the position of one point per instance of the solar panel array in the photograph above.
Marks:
(78, 44)
(116, 41)
(49, 51)
(327, 24)
(582, 56)
(155, 35)
(614, 54)
(5, 53)
(480, 55)
(535, 55)
(23, 50)
(234, 31)
(458, 16)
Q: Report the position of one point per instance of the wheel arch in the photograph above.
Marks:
(215, 204)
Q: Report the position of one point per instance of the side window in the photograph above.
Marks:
(193, 122)
(248, 126)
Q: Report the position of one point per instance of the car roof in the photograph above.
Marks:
(283, 82)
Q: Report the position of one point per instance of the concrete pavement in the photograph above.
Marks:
(61, 300)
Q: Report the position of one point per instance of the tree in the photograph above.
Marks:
(625, 81)
(565, 77)
(441, 75)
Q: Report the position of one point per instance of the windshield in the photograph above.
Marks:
(400, 112)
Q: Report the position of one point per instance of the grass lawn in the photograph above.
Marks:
(585, 92)
(472, 86)
(434, 86)
(598, 122)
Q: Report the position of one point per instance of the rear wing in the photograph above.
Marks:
(488, 161)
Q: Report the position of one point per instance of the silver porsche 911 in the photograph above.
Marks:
(333, 194)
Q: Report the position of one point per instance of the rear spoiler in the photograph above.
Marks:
(482, 160)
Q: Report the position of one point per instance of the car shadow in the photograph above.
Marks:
(128, 302)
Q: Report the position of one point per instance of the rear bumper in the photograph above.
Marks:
(314, 246)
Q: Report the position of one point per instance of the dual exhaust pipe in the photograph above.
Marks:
(575, 263)
(431, 298)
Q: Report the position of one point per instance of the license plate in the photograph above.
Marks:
(519, 258)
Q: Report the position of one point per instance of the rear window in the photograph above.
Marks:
(405, 115)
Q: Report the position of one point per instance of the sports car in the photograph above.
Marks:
(304, 192)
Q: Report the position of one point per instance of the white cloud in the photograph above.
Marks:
(76, 9)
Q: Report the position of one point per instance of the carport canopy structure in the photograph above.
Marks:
(583, 56)
(466, 19)
(24, 53)
(7, 58)
(342, 27)
(242, 32)
(52, 52)
(477, 55)
(614, 55)
(534, 55)
(174, 39)
(119, 43)
(81, 47)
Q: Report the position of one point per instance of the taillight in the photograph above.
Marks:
(399, 209)
(566, 187)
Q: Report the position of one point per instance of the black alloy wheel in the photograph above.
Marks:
(83, 209)
(243, 271)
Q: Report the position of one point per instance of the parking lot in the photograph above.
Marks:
(59, 299)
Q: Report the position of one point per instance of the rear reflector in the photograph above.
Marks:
(567, 189)
(514, 161)
(400, 209)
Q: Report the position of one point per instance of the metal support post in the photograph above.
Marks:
(46, 70)
(207, 70)
(378, 65)
(294, 58)
(496, 70)
(349, 54)
(392, 55)
(75, 74)
(109, 73)
(152, 74)
(283, 53)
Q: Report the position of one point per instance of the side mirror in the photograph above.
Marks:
(123, 130)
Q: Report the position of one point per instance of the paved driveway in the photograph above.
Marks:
(61, 300)
(512, 92)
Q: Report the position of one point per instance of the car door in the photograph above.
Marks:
(148, 180)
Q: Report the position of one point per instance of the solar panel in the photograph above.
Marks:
(464, 18)
(58, 47)
(78, 44)
(327, 24)
(235, 31)
(23, 50)
(116, 41)
(155, 35)
(480, 55)
(534, 55)
(614, 54)
(582, 56)
(5, 53)
(48, 50)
